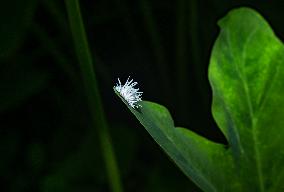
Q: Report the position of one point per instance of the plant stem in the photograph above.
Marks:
(92, 92)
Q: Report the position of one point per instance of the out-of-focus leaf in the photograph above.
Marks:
(19, 81)
(15, 18)
(81, 161)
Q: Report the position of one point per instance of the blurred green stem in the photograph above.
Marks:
(92, 92)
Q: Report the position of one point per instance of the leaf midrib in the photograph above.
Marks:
(249, 103)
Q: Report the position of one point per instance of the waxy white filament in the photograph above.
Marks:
(130, 94)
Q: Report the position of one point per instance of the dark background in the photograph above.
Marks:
(46, 140)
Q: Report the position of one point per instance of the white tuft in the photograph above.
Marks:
(130, 94)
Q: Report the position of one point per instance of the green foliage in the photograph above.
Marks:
(246, 74)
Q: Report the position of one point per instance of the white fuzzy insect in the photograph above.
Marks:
(130, 94)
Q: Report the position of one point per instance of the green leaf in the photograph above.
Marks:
(195, 155)
(247, 77)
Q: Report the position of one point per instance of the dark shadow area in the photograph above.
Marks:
(46, 141)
